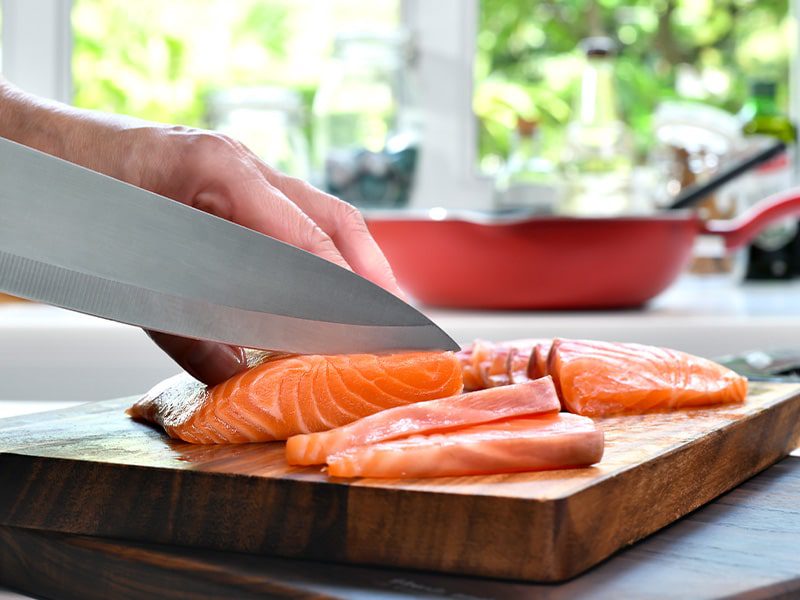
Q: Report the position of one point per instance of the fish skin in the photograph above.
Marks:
(551, 441)
(471, 408)
(598, 379)
(284, 395)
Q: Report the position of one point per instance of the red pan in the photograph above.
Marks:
(555, 262)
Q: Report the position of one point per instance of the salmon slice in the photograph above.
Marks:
(552, 441)
(425, 417)
(471, 358)
(507, 365)
(285, 395)
(537, 366)
(487, 364)
(518, 365)
(605, 378)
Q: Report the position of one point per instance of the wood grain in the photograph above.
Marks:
(743, 545)
(91, 470)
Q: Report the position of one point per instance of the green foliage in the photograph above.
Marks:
(527, 62)
(160, 60)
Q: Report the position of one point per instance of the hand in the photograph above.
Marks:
(208, 171)
(216, 174)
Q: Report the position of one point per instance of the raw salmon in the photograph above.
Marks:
(455, 412)
(537, 365)
(471, 359)
(604, 378)
(552, 441)
(487, 364)
(285, 395)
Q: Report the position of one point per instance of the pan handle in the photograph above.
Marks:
(746, 227)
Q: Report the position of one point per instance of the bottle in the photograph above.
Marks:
(598, 158)
(528, 180)
(771, 255)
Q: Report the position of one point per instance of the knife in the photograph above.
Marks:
(81, 240)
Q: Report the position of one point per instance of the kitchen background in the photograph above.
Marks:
(487, 105)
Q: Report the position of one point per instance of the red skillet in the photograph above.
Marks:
(555, 262)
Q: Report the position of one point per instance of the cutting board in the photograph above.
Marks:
(91, 470)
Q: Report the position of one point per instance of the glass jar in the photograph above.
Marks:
(269, 121)
(365, 122)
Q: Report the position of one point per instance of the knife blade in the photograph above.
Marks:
(84, 241)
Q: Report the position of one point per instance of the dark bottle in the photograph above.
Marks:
(775, 253)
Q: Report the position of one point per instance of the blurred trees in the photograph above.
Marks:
(158, 60)
(704, 50)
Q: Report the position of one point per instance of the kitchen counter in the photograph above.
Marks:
(743, 544)
(73, 357)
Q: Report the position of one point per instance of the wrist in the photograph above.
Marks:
(83, 137)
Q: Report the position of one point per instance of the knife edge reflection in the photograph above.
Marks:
(191, 317)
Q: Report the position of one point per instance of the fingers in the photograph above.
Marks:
(208, 362)
(247, 198)
(344, 224)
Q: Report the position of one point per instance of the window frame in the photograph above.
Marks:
(37, 46)
(445, 34)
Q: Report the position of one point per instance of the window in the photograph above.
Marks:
(249, 68)
(480, 62)
(161, 61)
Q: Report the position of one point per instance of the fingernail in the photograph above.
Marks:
(214, 363)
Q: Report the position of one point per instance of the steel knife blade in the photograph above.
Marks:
(81, 240)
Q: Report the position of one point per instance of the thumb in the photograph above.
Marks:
(209, 362)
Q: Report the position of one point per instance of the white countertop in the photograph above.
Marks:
(48, 354)
(708, 316)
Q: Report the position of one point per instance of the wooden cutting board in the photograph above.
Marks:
(91, 470)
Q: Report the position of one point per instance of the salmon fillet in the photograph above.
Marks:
(459, 411)
(552, 441)
(285, 395)
(604, 378)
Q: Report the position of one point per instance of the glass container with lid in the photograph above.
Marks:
(269, 121)
(365, 122)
